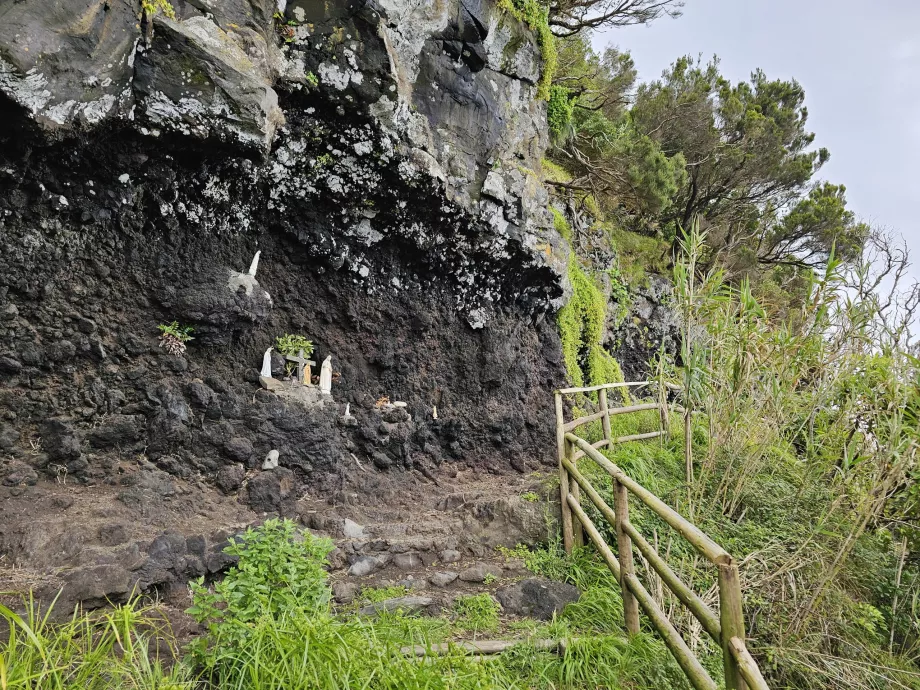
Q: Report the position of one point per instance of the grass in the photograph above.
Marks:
(118, 648)
(285, 635)
(476, 613)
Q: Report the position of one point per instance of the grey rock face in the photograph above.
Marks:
(448, 91)
(197, 79)
(651, 323)
(537, 597)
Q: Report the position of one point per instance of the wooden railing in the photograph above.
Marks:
(727, 627)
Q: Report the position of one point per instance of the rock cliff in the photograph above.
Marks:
(380, 155)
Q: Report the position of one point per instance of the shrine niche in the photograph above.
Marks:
(297, 382)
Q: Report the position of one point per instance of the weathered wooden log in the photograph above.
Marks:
(482, 647)
(746, 664)
(605, 419)
(575, 423)
(624, 547)
(693, 534)
(689, 664)
(705, 615)
(731, 616)
(620, 439)
(568, 538)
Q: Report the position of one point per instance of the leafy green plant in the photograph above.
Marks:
(291, 345)
(173, 337)
(152, 7)
(530, 497)
(559, 109)
(312, 79)
(279, 573)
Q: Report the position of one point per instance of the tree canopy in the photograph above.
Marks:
(692, 144)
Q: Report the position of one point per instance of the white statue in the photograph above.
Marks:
(325, 376)
(254, 266)
(347, 410)
(266, 361)
(271, 460)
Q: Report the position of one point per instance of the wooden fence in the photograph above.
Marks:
(727, 627)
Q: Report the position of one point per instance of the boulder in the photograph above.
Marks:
(442, 579)
(270, 492)
(537, 597)
(117, 430)
(365, 566)
(479, 572)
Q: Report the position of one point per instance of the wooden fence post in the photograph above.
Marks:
(624, 547)
(561, 451)
(663, 411)
(731, 616)
(605, 420)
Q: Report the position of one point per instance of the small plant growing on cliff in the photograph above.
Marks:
(290, 345)
(559, 111)
(173, 337)
(152, 7)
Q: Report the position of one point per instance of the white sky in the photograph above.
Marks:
(859, 63)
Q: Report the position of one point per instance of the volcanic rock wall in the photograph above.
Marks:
(380, 155)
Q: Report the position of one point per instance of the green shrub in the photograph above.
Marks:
(559, 109)
(291, 345)
(279, 573)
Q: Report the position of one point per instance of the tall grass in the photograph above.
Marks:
(126, 647)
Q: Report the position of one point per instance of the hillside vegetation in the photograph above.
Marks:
(798, 354)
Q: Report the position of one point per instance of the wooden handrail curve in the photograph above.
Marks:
(727, 627)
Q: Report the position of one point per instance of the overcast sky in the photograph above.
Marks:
(859, 63)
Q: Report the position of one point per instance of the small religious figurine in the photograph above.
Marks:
(266, 360)
(325, 376)
(254, 266)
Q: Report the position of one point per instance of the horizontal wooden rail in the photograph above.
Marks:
(620, 439)
(746, 664)
(575, 423)
(690, 665)
(705, 615)
(603, 387)
(693, 534)
(700, 610)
